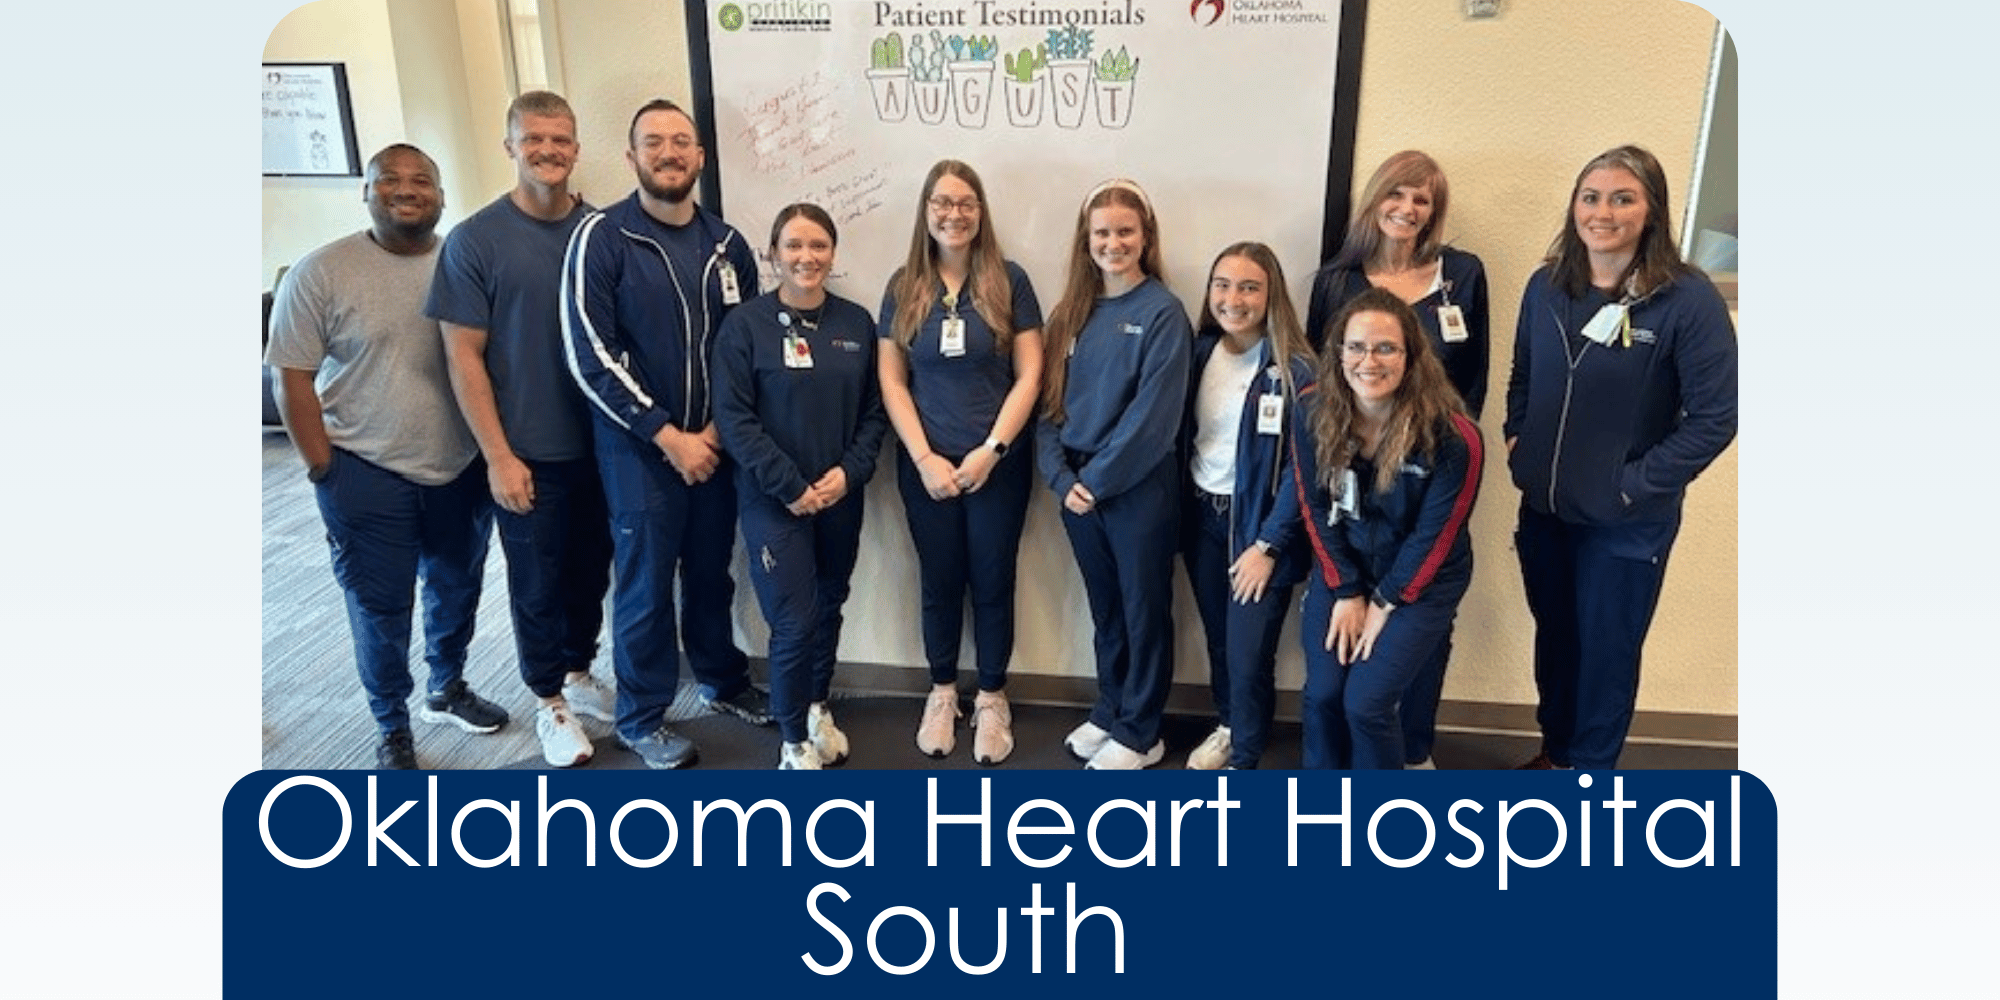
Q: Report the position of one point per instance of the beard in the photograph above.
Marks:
(670, 195)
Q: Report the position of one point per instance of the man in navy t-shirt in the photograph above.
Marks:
(495, 294)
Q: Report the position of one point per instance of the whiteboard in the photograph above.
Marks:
(308, 122)
(1225, 113)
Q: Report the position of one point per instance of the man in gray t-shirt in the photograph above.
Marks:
(364, 395)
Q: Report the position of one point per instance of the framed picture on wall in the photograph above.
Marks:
(308, 121)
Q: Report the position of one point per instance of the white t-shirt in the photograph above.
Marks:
(1218, 414)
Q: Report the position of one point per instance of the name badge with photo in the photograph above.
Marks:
(1451, 322)
(1270, 413)
(731, 294)
(798, 353)
(951, 339)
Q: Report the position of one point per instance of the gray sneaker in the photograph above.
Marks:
(564, 743)
(663, 749)
(592, 697)
(752, 705)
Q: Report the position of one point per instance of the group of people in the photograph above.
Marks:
(611, 386)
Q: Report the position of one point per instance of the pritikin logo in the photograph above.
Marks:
(780, 15)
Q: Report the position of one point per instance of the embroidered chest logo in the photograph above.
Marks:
(1132, 328)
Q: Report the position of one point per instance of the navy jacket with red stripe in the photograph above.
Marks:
(1399, 542)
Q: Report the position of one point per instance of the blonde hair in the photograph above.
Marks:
(1409, 168)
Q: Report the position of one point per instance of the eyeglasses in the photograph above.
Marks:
(942, 205)
(680, 143)
(1356, 350)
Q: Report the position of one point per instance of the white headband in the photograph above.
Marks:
(1119, 182)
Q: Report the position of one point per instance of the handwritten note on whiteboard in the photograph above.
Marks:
(307, 120)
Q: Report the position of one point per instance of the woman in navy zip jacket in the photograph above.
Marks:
(1239, 529)
(1386, 466)
(960, 365)
(1396, 242)
(1623, 390)
(797, 406)
(1116, 380)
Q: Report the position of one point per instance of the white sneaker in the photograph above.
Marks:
(564, 743)
(798, 756)
(1084, 741)
(1116, 756)
(1213, 753)
(826, 737)
(992, 728)
(936, 734)
(592, 697)
(1422, 765)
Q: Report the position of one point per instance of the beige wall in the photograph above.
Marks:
(1511, 106)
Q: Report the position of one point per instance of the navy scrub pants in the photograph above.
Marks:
(386, 533)
(1592, 590)
(1350, 718)
(1420, 704)
(800, 568)
(1124, 550)
(968, 544)
(558, 568)
(662, 529)
(1242, 638)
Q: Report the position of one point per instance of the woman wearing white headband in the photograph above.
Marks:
(1118, 345)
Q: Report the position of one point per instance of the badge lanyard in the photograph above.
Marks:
(951, 337)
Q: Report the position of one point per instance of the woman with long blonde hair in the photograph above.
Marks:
(1115, 385)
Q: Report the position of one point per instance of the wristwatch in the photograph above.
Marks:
(999, 447)
(1382, 602)
(1265, 547)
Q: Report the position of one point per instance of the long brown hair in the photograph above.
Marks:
(1409, 168)
(1658, 259)
(1085, 283)
(917, 280)
(1424, 400)
(1281, 318)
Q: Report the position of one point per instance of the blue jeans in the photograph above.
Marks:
(1124, 550)
(1592, 590)
(1350, 714)
(558, 568)
(663, 529)
(1242, 639)
(968, 543)
(801, 568)
(386, 533)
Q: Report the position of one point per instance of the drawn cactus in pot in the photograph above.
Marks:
(888, 78)
(1026, 73)
(971, 70)
(1069, 74)
(1117, 73)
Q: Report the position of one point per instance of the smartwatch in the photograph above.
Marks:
(999, 447)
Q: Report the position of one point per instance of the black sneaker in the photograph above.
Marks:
(662, 749)
(457, 705)
(752, 705)
(396, 752)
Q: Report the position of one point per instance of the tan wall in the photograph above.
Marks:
(1511, 107)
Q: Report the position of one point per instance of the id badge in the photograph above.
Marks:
(951, 340)
(1451, 322)
(798, 353)
(1348, 503)
(731, 294)
(1270, 413)
(1606, 324)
